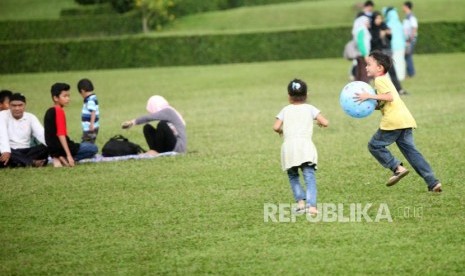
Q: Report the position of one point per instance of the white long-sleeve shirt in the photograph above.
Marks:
(17, 134)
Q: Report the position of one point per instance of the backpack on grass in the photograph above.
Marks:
(119, 145)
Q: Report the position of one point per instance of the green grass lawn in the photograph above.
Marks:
(203, 213)
(268, 17)
(33, 9)
(308, 14)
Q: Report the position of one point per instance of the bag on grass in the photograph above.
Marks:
(119, 145)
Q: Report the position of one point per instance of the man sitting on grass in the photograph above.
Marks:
(17, 130)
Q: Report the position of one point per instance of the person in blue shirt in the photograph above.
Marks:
(90, 111)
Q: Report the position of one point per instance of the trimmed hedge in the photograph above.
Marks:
(73, 27)
(89, 11)
(187, 7)
(206, 49)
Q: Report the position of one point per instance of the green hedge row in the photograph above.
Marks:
(89, 10)
(207, 49)
(186, 7)
(98, 20)
(73, 27)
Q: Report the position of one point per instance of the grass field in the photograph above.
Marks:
(33, 9)
(268, 17)
(203, 213)
(308, 14)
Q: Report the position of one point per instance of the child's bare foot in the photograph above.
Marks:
(57, 163)
(312, 210)
(300, 209)
(151, 153)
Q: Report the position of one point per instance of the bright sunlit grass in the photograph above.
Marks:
(202, 213)
(307, 14)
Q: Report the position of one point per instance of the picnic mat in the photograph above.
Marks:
(100, 158)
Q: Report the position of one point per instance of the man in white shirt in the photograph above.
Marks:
(410, 25)
(17, 130)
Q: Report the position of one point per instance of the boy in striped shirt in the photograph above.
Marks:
(90, 111)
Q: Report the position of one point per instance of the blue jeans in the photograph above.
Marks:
(404, 140)
(309, 178)
(409, 58)
(86, 150)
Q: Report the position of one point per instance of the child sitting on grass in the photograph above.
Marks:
(62, 149)
(295, 123)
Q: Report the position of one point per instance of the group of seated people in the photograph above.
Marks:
(24, 142)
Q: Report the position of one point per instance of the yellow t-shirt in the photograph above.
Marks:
(395, 114)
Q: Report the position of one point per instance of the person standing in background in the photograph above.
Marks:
(90, 113)
(368, 7)
(362, 37)
(410, 25)
(381, 40)
(397, 41)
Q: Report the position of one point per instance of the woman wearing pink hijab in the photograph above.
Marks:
(170, 133)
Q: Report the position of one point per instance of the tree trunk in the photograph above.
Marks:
(145, 26)
(145, 21)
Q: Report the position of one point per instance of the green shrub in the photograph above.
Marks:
(90, 2)
(122, 6)
(204, 49)
(73, 27)
(186, 7)
(441, 38)
(91, 10)
(240, 3)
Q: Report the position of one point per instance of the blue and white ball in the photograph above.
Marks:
(349, 104)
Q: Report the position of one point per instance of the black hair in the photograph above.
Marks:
(373, 17)
(375, 14)
(18, 97)
(297, 90)
(408, 4)
(5, 94)
(86, 85)
(59, 87)
(368, 4)
(382, 59)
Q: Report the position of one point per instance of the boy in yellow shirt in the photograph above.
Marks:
(396, 126)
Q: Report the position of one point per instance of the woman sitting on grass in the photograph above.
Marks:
(170, 134)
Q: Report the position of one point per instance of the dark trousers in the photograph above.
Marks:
(160, 139)
(361, 71)
(394, 79)
(25, 157)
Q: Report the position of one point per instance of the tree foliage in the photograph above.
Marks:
(122, 6)
(155, 13)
